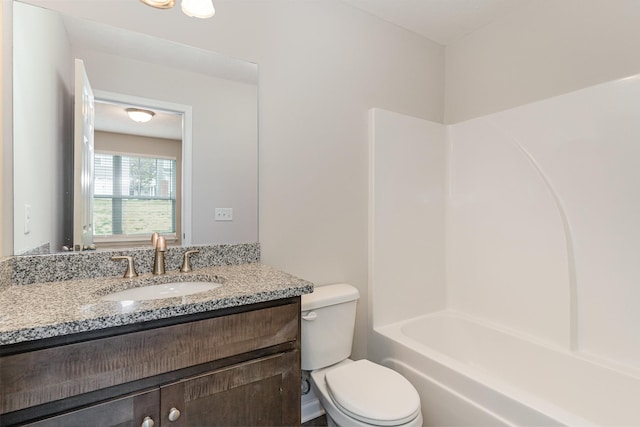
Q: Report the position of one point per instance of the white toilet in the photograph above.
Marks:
(359, 393)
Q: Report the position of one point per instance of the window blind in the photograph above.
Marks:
(133, 195)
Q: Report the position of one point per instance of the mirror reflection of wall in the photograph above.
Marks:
(42, 105)
(224, 132)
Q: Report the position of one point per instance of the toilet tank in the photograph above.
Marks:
(328, 321)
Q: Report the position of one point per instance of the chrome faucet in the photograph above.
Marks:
(160, 245)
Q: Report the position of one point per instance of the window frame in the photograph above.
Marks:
(129, 239)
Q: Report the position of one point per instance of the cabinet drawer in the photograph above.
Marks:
(43, 376)
(121, 412)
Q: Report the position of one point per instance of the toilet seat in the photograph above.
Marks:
(372, 393)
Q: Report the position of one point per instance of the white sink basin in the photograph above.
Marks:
(167, 290)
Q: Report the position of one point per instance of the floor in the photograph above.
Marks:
(320, 421)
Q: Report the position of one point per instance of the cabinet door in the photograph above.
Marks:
(129, 411)
(262, 392)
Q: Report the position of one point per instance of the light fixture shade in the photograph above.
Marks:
(139, 115)
(198, 8)
(160, 4)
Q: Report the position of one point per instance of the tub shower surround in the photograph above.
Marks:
(532, 316)
(90, 265)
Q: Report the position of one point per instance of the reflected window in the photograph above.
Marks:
(134, 195)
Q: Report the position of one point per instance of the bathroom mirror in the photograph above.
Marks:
(221, 167)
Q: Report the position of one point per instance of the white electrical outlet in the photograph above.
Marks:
(224, 214)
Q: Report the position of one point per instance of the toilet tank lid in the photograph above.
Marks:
(324, 296)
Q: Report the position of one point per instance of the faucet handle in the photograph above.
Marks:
(186, 264)
(131, 269)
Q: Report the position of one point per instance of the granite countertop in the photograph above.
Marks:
(45, 310)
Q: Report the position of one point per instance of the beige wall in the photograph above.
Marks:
(538, 50)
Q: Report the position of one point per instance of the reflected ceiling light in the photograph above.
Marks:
(198, 8)
(139, 115)
(160, 4)
(194, 8)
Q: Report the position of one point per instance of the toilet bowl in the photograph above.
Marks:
(352, 393)
(349, 400)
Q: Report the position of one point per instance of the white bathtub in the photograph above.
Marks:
(469, 373)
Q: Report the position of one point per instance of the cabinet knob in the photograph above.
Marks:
(147, 422)
(174, 414)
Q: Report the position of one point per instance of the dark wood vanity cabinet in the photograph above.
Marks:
(254, 393)
(241, 367)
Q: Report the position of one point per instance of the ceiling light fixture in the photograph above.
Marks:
(198, 8)
(139, 115)
(194, 8)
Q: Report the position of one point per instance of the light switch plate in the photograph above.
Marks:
(224, 214)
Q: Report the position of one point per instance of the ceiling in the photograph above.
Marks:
(110, 117)
(443, 21)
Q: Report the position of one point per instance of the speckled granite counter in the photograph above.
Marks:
(6, 271)
(45, 310)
